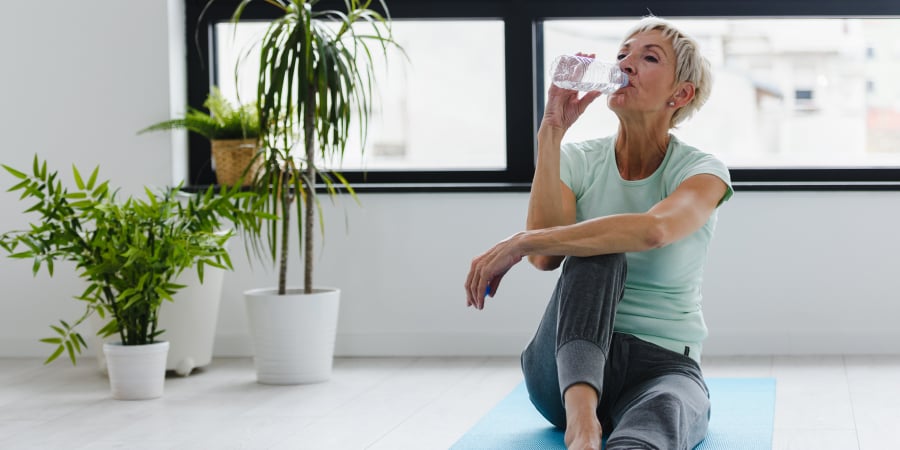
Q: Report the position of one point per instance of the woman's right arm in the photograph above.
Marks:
(551, 203)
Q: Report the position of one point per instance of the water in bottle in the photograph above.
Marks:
(586, 74)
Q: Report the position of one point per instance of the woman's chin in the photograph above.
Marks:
(615, 100)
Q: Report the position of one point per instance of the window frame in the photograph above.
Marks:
(523, 44)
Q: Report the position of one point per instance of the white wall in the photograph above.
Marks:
(79, 79)
(789, 272)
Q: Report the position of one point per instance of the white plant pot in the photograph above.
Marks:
(136, 372)
(190, 321)
(293, 335)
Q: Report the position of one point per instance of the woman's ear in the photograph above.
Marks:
(683, 94)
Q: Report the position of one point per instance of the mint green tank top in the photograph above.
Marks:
(662, 300)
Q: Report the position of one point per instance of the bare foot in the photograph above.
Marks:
(583, 430)
(584, 434)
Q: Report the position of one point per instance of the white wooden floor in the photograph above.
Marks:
(822, 403)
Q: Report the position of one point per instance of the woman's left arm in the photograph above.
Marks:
(675, 217)
(688, 208)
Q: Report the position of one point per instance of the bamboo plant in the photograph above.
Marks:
(315, 78)
(129, 252)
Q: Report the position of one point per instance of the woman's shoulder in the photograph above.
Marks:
(688, 154)
(688, 161)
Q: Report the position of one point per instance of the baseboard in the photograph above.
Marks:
(12, 347)
(512, 343)
(861, 342)
(400, 344)
(431, 344)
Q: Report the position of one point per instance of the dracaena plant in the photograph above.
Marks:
(315, 79)
(129, 252)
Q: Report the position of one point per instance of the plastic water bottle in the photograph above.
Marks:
(586, 74)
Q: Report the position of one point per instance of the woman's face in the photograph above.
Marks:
(649, 60)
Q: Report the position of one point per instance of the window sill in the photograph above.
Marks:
(413, 188)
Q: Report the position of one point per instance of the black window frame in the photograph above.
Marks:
(523, 43)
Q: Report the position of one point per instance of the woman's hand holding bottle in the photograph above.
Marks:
(564, 106)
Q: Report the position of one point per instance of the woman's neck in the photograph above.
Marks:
(639, 152)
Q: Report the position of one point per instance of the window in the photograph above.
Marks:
(828, 119)
(805, 96)
(442, 109)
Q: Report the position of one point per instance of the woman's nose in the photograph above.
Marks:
(626, 66)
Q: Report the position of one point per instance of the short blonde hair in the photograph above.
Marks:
(690, 65)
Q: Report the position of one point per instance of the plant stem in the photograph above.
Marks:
(285, 187)
(111, 299)
(310, 187)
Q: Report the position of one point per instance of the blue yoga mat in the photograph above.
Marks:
(743, 415)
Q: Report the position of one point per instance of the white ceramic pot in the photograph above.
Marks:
(190, 321)
(293, 334)
(136, 372)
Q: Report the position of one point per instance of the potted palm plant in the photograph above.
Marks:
(233, 133)
(315, 79)
(128, 252)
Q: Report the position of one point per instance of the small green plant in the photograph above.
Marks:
(129, 252)
(223, 121)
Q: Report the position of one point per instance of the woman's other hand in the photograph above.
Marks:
(489, 268)
(564, 106)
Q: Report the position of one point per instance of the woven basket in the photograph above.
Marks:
(231, 157)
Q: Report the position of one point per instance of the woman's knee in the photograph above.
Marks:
(609, 270)
(611, 261)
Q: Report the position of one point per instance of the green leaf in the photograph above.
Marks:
(163, 294)
(101, 190)
(89, 290)
(81, 340)
(200, 271)
(84, 204)
(19, 186)
(93, 179)
(74, 339)
(150, 196)
(111, 328)
(36, 207)
(51, 340)
(55, 354)
(71, 351)
(15, 172)
(78, 181)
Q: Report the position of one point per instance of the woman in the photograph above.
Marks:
(629, 217)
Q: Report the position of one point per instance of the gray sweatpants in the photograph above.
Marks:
(650, 397)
